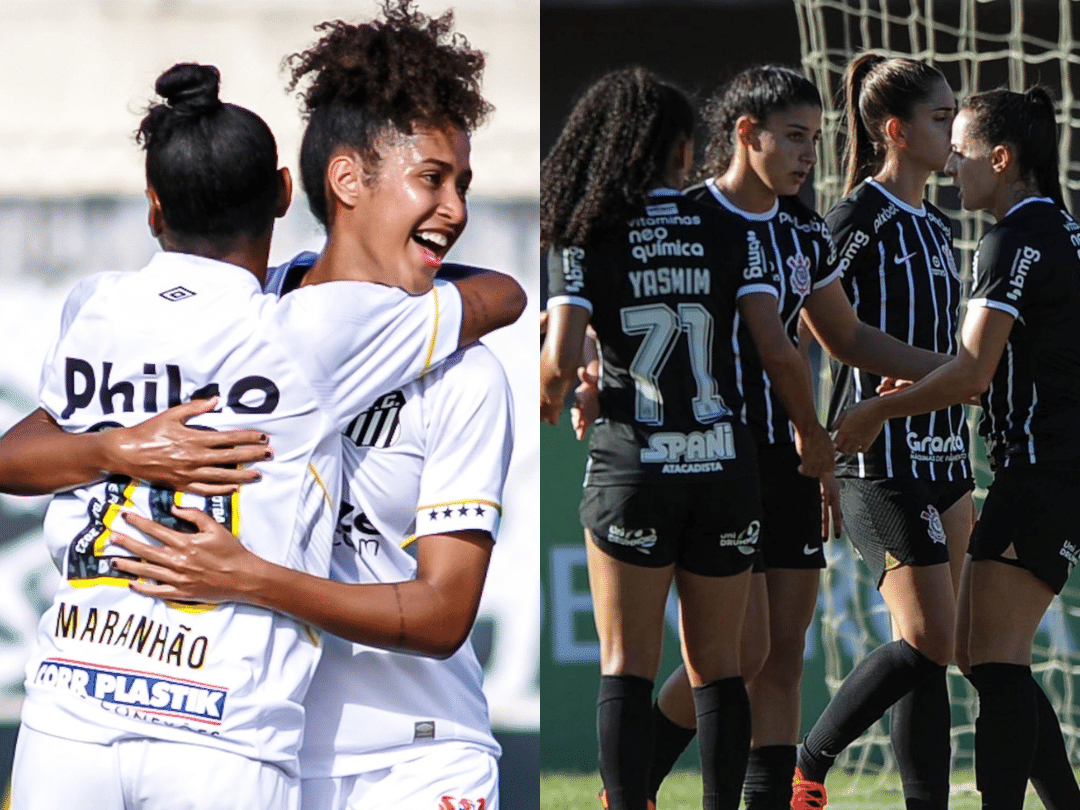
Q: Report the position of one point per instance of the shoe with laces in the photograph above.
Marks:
(807, 795)
(650, 804)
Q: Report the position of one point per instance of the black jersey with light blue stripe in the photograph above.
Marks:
(661, 291)
(899, 272)
(1028, 266)
(791, 254)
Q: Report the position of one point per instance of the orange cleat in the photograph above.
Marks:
(807, 795)
(650, 804)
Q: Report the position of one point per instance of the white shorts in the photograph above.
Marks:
(450, 776)
(145, 774)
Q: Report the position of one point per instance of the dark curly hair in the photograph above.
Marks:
(213, 165)
(758, 92)
(612, 150)
(367, 81)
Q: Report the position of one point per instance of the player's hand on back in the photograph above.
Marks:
(164, 450)
(209, 565)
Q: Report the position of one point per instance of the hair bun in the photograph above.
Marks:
(189, 87)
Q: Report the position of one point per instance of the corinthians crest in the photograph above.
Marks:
(934, 529)
(799, 265)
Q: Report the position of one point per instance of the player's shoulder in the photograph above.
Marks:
(286, 277)
(796, 214)
(472, 367)
(938, 217)
(855, 211)
(89, 287)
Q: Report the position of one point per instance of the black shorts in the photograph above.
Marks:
(1034, 511)
(708, 529)
(791, 512)
(897, 521)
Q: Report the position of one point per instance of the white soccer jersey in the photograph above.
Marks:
(110, 664)
(427, 459)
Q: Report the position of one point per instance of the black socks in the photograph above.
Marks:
(768, 777)
(1005, 733)
(624, 731)
(875, 684)
(921, 722)
(723, 725)
(669, 741)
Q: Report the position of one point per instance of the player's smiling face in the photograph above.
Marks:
(929, 131)
(414, 210)
(970, 167)
(787, 148)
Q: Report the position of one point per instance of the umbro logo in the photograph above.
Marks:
(176, 294)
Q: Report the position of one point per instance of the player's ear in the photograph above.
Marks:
(155, 218)
(284, 192)
(344, 178)
(746, 130)
(894, 131)
(1001, 158)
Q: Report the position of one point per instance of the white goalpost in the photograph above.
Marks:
(978, 45)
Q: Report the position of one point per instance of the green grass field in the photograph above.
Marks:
(682, 791)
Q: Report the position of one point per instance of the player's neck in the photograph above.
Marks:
(252, 254)
(904, 181)
(744, 189)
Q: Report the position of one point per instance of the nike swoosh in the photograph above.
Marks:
(808, 551)
(901, 259)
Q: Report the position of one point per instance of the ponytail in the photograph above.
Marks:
(860, 157)
(879, 89)
(1027, 123)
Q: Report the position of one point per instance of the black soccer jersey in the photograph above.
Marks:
(662, 291)
(1028, 265)
(791, 255)
(898, 270)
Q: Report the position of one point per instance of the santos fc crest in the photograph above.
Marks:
(380, 424)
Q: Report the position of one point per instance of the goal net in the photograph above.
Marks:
(979, 46)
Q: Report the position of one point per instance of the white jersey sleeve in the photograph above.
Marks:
(469, 441)
(82, 292)
(359, 339)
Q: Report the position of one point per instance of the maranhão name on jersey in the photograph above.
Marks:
(935, 448)
(82, 383)
(139, 695)
(139, 634)
(694, 452)
(649, 243)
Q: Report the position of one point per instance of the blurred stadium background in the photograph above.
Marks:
(77, 75)
(699, 45)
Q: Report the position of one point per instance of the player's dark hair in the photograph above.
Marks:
(875, 89)
(758, 92)
(213, 165)
(1025, 122)
(381, 78)
(614, 148)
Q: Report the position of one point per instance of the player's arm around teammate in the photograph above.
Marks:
(1025, 307)
(906, 500)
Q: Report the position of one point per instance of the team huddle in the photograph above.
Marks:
(269, 608)
(701, 289)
